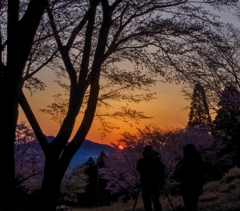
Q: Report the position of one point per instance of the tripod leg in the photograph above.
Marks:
(136, 199)
(168, 199)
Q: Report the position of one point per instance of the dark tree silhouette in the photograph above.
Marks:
(104, 34)
(96, 194)
(221, 68)
(15, 48)
(97, 36)
(226, 126)
(199, 110)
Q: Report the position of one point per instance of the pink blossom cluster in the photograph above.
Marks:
(120, 169)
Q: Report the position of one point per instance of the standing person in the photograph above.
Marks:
(152, 172)
(189, 172)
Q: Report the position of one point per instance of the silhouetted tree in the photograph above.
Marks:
(109, 32)
(89, 198)
(18, 26)
(29, 164)
(103, 195)
(74, 183)
(226, 126)
(221, 68)
(97, 36)
(96, 193)
(199, 111)
(120, 165)
(29, 158)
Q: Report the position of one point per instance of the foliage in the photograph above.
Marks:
(224, 70)
(199, 111)
(19, 24)
(29, 164)
(74, 183)
(219, 195)
(42, 50)
(29, 161)
(57, 110)
(233, 173)
(29, 158)
(90, 40)
(120, 173)
(226, 126)
(95, 192)
(135, 38)
(222, 195)
(120, 170)
(113, 207)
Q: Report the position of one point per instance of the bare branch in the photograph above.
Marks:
(27, 76)
(34, 123)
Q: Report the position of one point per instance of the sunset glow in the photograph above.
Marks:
(166, 111)
(120, 147)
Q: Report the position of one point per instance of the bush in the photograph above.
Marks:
(232, 174)
(222, 195)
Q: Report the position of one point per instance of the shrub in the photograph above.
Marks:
(232, 174)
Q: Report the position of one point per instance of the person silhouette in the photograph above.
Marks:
(189, 172)
(152, 172)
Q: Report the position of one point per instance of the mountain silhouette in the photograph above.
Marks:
(88, 149)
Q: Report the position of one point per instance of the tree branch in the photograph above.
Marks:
(87, 45)
(77, 29)
(26, 178)
(54, 28)
(115, 4)
(33, 122)
(40, 67)
(1, 49)
(29, 24)
(83, 129)
(63, 50)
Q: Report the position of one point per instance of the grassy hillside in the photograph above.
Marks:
(222, 195)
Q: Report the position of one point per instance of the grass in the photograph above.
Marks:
(222, 195)
(115, 207)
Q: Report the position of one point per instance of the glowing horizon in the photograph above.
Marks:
(167, 111)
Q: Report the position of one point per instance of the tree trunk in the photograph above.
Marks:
(7, 175)
(9, 92)
(20, 35)
(51, 184)
(49, 193)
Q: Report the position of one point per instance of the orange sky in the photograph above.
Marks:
(166, 111)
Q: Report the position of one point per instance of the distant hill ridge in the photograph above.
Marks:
(87, 150)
